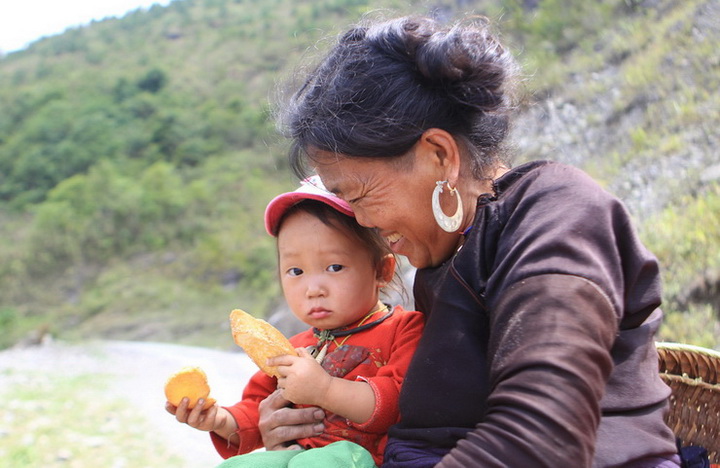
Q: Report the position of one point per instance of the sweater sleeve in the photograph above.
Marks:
(547, 374)
(387, 382)
(246, 413)
(561, 282)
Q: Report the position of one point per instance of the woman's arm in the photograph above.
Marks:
(550, 364)
(555, 297)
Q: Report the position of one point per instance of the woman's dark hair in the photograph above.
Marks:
(369, 238)
(382, 85)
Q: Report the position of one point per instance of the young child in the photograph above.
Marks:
(353, 359)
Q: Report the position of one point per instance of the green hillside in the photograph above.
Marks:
(137, 154)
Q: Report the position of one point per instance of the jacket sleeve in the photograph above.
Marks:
(560, 287)
(387, 382)
(247, 438)
(548, 373)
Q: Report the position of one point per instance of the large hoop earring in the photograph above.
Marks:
(447, 223)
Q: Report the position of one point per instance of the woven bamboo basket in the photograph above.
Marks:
(693, 374)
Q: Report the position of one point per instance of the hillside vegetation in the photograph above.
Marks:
(137, 154)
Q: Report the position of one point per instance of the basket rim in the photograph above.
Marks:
(669, 345)
(690, 361)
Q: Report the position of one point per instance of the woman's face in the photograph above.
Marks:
(395, 199)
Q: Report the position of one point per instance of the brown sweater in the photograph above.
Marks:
(539, 344)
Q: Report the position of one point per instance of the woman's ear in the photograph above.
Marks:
(446, 152)
(386, 270)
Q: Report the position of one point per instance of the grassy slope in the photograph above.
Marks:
(634, 107)
(625, 94)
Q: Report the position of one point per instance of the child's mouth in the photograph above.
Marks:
(319, 313)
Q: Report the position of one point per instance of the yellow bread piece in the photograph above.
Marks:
(190, 382)
(260, 340)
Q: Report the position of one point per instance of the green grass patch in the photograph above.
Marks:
(686, 239)
(698, 326)
(66, 421)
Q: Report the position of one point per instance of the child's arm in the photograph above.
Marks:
(214, 419)
(303, 381)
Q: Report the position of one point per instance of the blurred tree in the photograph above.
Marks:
(153, 81)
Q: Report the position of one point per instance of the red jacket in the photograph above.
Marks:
(379, 356)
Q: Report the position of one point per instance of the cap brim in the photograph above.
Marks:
(279, 205)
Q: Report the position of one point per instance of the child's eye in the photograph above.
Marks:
(294, 271)
(335, 267)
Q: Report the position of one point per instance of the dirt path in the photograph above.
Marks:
(137, 373)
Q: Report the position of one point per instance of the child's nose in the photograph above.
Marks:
(315, 289)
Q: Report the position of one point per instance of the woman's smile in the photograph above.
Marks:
(394, 240)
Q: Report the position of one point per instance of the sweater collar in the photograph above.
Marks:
(504, 182)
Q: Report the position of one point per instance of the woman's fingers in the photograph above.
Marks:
(283, 431)
(273, 402)
(279, 424)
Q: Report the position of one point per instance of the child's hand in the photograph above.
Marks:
(302, 379)
(202, 420)
(214, 419)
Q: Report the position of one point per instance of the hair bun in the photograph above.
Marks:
(470, 63)
(465, 61)
(354, 35)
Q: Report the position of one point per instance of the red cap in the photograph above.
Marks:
(311, 188)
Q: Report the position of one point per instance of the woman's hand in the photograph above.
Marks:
(302, 379)
(280, 425)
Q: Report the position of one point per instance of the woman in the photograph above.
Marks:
(541, 303)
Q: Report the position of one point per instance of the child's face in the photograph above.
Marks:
(328, 279)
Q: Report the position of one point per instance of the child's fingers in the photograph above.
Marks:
(203, 419)
(181, 412)
(277, 361)
(170, 408)
(194, 418)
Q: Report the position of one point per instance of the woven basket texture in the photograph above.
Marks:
(693, 374)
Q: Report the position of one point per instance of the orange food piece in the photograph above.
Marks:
(190, 382)
(260, 340)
